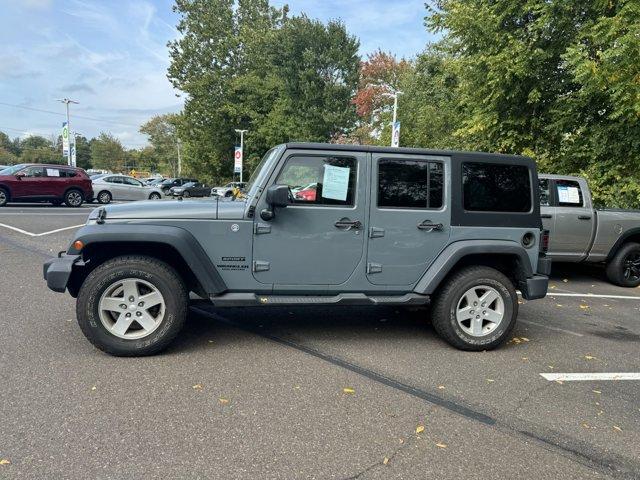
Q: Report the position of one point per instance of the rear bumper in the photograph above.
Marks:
(58, 270)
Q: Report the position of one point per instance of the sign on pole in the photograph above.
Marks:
(395, 135)
(237, 160)
(65, 138)
(73, 151)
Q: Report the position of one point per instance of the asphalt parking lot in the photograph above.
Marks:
(312, 392)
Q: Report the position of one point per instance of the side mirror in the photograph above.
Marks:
(277, 196)
(19, 175)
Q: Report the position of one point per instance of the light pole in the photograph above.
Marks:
(241, 132)
(178, 143)
(394, 94)
(67, 101)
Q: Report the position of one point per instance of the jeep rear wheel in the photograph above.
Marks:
(476, 309)
(132, 306)
(624, 267)
(73, 198)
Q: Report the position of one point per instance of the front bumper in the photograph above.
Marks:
(57, 271)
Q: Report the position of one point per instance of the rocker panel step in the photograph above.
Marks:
(251, 299)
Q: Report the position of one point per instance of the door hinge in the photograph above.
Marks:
(376, 232)
(374, 268)
(261, 228)
(260, 266)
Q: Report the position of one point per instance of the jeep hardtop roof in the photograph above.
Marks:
(408, 150)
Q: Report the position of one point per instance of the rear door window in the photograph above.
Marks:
(569, 193)
(406, 183)
(493, 187)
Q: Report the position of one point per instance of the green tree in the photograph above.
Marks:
(163, 136)
(107, 153)
(556, 80)
(37, 149)
(83, 153)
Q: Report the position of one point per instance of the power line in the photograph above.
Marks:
(62, 114)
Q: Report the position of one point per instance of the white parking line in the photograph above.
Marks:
(31, 234)
(592, 295)
(582, 377)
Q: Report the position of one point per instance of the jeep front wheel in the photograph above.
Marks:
(476, 309)
(132, 306)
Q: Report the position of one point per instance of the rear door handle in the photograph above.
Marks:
(584, 217)
(546, 215)
(348, 224)
(427, 225)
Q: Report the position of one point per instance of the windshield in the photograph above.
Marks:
(12, 170)
(269, 156)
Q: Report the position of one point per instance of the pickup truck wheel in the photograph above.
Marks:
(132, 306)
(624, 267)
(476, 309)
(73, 198)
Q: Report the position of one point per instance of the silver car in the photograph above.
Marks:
(122, 187)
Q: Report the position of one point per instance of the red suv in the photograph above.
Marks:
(29, 182)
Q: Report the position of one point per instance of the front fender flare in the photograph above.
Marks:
(180, 239)
(450, 256)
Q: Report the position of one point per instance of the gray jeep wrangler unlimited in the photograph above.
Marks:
(377, 226)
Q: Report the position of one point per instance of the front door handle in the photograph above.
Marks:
(546, 215)
(427, 225)
(347, 224)
(584, 217)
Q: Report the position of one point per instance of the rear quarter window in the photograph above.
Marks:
(492, 187)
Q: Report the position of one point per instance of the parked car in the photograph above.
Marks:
(581, 233)
(191, 189)
(38, 182)
(389, 226)
(167, 184)
(153, 181)
(227, 190)
(122, 187)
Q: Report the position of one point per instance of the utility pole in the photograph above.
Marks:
(67, 101)
(178, 143)
(241, 132)
(395, 95)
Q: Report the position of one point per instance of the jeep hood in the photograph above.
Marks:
(175, 209)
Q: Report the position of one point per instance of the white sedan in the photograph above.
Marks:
(122, 187)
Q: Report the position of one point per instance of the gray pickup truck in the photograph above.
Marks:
(384, 226)
(581, 233)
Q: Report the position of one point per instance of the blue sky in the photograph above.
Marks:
(111, 56)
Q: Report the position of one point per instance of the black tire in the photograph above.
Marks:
(4, 196)
(624, 267)
(186, 194)
(161, 276)
(73, 198)
(451, 294)
(154, 196)
(104, 197)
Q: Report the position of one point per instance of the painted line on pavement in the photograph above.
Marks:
(582, 377)
(31, 234)
(592, 295)
(556, 329)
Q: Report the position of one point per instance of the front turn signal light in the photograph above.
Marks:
(78, 245)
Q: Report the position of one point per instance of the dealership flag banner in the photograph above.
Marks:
(395, 135)
(73, 151)
(237, 160)
(65, 138)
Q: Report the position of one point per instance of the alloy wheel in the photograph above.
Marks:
(74, 198)
(631, 266)
(131, 308)
(480, 310)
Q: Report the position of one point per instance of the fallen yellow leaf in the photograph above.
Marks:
(349, 390)
(589, 357)
(419, 429)
(559, 382)
(615, 427)
(525, 358)
(401, 441)
(441, 445)
(93, 388)
(552, 287)
(524, 339)
(550, 366)
(223, 401)
(385, 461)
(490, 380)
(197, 386)
(558, 305)
(584, 307)
(596, 391)
(440, 387)
(4, 461)
(585, 425)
